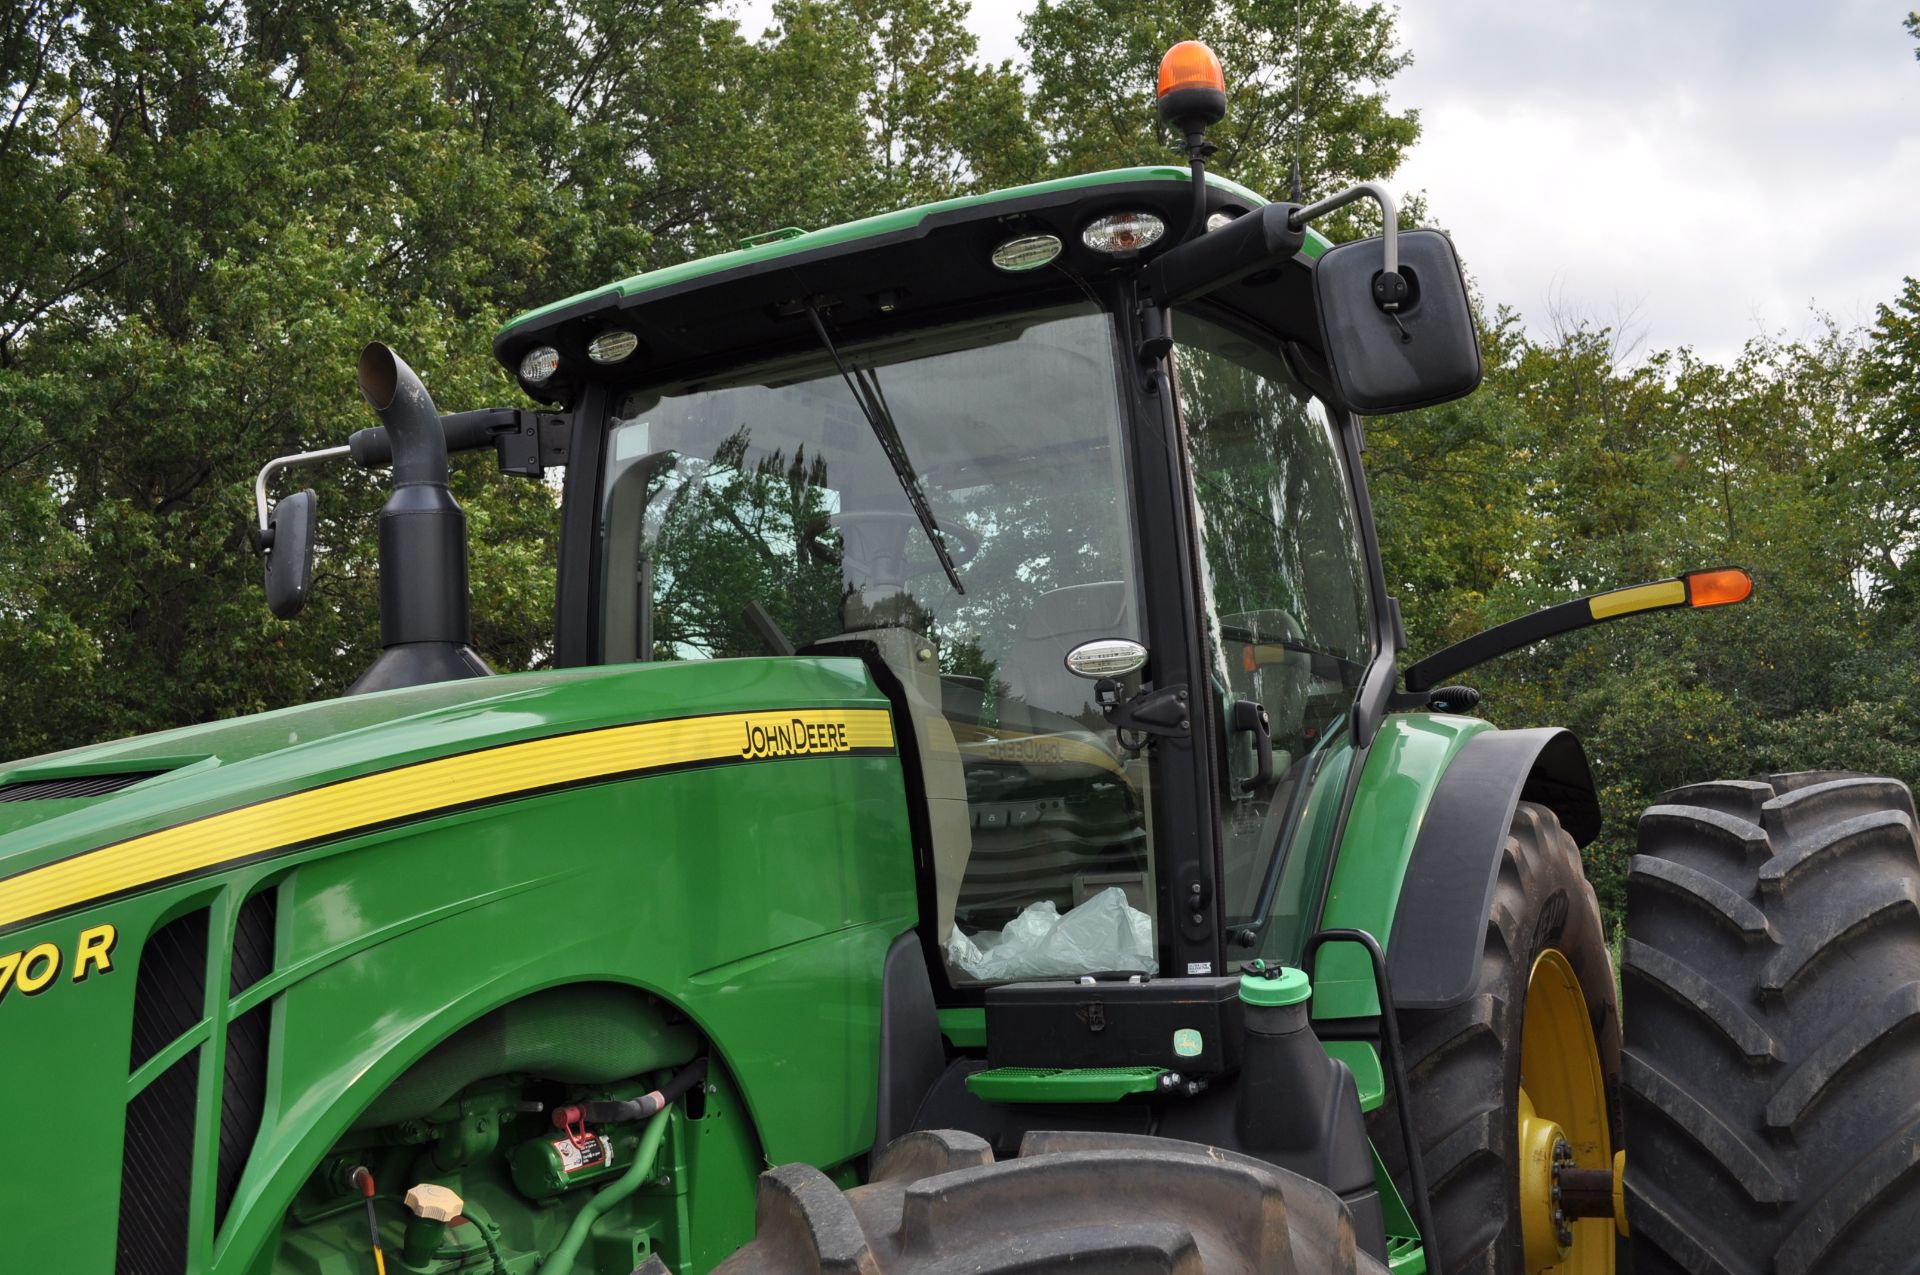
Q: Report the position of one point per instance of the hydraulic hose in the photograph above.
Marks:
(647, 1104)
(560, 1261)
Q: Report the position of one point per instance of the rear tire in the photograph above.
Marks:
(1772, 967)
(1463, 1064)
(1115, 1204)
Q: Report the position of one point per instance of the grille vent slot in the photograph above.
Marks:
(170, 995)
(243, 1091)
(253, 941)
(156, 1173)
(243, 1097)
(75, 785)
(156, 1168)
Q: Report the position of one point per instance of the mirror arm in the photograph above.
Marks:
(1389, 212)
(273, 467)
(1717, 586)
(525, 440)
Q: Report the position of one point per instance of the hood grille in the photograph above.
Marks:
(74, 786)
(156, 1174)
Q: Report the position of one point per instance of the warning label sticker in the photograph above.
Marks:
(591, 1152)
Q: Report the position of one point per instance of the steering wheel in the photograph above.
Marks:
(880, 524)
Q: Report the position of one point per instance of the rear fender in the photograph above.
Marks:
(1429, 822)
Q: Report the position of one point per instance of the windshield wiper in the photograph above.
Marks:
(874, 408)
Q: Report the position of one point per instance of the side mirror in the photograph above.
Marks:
(289, 553)
(1425, 352)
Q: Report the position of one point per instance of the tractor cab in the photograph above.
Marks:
(1074, 467)
(1066, 466)
(755, 512)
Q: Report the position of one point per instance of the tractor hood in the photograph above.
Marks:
(62, 806)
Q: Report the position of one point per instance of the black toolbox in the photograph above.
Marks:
(1189, 1025)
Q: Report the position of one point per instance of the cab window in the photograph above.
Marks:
(1284, 600)
(758, 513)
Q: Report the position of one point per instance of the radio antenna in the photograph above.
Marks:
(1296, 192)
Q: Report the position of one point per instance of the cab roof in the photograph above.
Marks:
(895, 269)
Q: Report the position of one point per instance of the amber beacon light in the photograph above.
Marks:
(1718, 588)
(1193, 90)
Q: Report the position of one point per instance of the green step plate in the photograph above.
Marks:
(1056, 1084)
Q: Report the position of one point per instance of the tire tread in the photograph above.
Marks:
(938, 1203)
(1753, 1165)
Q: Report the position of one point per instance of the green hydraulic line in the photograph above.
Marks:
(560, 1261)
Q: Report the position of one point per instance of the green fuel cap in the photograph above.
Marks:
(1264, 984)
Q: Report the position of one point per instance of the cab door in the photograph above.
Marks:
(1286, 610)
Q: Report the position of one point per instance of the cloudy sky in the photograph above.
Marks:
(1697, 172)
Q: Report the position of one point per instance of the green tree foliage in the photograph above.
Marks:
(1585, 474)
(213, 204)
(1305, 77)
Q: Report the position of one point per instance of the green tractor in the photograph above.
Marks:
(977, 820)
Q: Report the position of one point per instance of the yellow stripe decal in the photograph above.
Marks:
(1642, 597)
(426, 787)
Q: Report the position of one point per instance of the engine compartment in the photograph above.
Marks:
(586, 1128)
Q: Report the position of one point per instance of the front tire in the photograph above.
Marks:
(1773, 1036)
(1544, 966)
(1115, 1204)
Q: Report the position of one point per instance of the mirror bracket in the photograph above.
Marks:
(263, 532)
(1389, 237)
(1390, 289)
(1152, 712)
(1156, 341)
(1252, 242)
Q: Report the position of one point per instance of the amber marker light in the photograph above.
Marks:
(1715, 588)
(1718, 588)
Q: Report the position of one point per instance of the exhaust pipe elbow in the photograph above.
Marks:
(395, 393)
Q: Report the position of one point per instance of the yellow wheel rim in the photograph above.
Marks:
(1563, 1109)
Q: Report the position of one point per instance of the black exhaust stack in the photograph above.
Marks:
(425, 629)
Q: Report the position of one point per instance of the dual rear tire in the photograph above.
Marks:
(1772, 974)
(1768, 1082)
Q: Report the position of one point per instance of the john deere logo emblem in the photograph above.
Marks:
(1187, 1043)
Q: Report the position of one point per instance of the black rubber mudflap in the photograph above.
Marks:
(939, 1204)
(1772, 974)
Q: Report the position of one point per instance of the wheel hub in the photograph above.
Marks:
(1545, 1228)
(1566, 1165)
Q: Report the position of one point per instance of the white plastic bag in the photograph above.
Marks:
(1104, 933)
